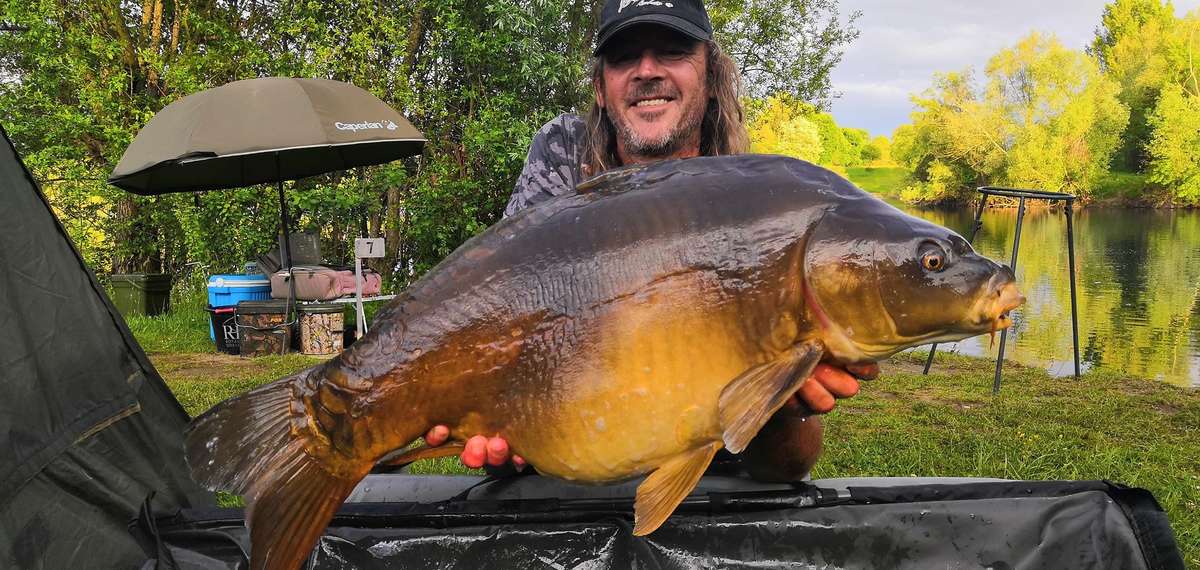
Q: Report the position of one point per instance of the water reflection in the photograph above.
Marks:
(1138, 276)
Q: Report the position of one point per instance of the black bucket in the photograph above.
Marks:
(225, 329)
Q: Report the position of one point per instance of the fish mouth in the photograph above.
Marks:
(1006, 299)
(992, 313)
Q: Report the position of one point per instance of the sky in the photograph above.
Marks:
(902, 44)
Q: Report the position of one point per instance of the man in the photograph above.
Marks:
(663, 90)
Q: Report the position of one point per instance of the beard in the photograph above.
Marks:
(667, 143)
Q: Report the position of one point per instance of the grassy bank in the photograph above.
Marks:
(1123, 188)
(1104, 426)
(882, 180)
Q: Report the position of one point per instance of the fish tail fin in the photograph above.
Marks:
(290, 509)
(246, 445)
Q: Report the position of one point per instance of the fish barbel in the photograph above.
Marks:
(635, 327)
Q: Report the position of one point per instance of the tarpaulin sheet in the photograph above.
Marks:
(894, 524)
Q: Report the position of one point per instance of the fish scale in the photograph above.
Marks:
(635, 327)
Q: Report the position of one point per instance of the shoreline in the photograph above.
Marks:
(885, 181)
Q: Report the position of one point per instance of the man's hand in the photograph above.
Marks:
(819, 394)
(829, 383)
(479, 450)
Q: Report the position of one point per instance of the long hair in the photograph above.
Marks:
(723, 130)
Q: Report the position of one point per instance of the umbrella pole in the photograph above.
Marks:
(287, 241)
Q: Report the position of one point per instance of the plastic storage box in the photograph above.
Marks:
(229, 290)
(144, 293)
(263, 328)
(321, 328)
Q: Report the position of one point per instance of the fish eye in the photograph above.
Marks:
(933, 256)
(933, 261)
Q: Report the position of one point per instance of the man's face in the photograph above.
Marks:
(654, 90)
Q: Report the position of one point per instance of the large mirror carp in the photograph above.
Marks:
(635, 327)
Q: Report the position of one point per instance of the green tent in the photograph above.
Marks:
(87, 426)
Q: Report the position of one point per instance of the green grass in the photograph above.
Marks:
(200, 382)
(884, 180)
(183, 329)
(1104, 426)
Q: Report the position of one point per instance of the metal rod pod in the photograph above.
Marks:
(1071, 266)
(1013, 266)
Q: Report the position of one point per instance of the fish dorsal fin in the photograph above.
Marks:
(664, 489)
(615, 180)
(749, 401)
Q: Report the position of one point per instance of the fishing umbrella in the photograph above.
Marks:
(263, 130)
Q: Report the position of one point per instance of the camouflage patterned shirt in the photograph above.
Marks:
(552, 167)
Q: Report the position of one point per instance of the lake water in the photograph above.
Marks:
(1138, 278)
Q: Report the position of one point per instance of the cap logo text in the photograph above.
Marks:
(642, 3)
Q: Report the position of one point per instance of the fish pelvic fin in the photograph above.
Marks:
(667, 486)
(247, 445)
(423, 452)
(749, 401)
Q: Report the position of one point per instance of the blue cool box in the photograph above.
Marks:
(227, 290)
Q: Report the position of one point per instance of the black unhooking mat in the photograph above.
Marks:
(727, 523)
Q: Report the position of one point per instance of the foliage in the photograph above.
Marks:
(878, 151)
(784, 46)
(1052, 118)
(783, 124)
(857, 141)
(1130, 187)
(781, 128)
(835, 149)
(1132, 48)
(477, 77)
(77, 84)
(1046, 119)
(1175, 147)
(1068, 118)
(955, 140)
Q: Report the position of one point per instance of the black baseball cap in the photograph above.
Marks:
(686, 16)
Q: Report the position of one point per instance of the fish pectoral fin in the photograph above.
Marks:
(749, 401)
(424, 452)
(667, 486)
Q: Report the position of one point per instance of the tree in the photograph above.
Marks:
(857, 141)
(956, 141)
(1175, 146)
(478, 77)
(781, 128)
(1132, 48)
(1046, 119)
(1068, 119)
(85, 76)
(878, 151)
(784, 46)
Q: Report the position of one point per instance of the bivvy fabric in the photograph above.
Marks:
(88, 429)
